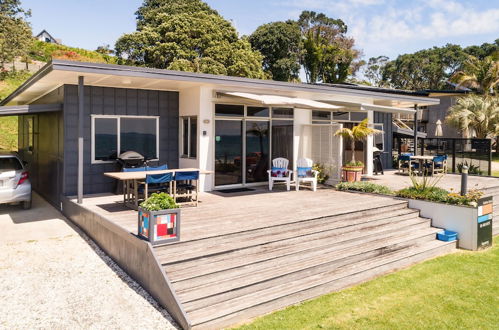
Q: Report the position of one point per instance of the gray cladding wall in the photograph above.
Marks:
(439, 112)
(114, 101)
(386, 120)
(45, 159)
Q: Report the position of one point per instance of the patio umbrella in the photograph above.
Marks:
(438, 129)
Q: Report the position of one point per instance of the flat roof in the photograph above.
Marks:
(59, 72)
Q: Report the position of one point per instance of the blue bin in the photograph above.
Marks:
(447, 235)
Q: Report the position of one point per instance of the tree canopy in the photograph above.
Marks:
(188, 35)
(328, 53)
(482, 75)
(280, 44)
(15, 31)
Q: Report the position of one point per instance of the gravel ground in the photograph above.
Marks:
(67, 282)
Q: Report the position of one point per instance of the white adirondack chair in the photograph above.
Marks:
(306, 162)
(280, 163)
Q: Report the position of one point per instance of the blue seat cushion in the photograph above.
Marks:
(278, 172)
(304, 172)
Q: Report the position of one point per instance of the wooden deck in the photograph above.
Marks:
(224, 213)
(245, 254)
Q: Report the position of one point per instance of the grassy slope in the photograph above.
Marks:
(40, 51)
(460, 290)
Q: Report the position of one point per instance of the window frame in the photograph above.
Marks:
(118, 135)
(189, 135)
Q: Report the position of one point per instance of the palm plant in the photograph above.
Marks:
(357, 133)
(482, 75)
(476, 115)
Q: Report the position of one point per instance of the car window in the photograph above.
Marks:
(10, 164)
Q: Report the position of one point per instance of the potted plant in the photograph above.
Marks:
(159, 219)
(352, 171)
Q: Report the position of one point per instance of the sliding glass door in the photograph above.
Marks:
(257, 151)
(228, 152)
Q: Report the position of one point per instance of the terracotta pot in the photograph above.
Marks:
(351, 173)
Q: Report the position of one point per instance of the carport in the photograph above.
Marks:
(39, 141)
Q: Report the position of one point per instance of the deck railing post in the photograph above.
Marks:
(416, 130)
(81, 109)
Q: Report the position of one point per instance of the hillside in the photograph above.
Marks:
(39, 54)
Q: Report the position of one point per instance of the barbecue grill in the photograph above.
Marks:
(130, 159)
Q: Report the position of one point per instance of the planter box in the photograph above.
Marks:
(159, 227)
(473, 225)
(351, 173)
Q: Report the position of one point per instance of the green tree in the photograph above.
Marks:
(188, 35)
(374, 70)
(484, 50)
(476, 116)
(425, 69)
(15, 31)
(328, 54)
(482, 75)
(359, 132)
(280, 45)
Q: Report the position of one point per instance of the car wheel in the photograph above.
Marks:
(26, 205)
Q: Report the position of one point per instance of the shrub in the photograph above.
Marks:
(472, 169)
(365, 186)
(355, 163)
(158, 202)
(435, 194)
(322, 176)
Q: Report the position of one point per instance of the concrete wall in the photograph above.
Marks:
(114, 101)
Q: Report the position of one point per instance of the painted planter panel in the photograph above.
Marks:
(159, 227)
(461, 219)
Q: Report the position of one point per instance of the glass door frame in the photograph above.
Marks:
(244, 118)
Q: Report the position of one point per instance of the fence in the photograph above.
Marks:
(474, 153)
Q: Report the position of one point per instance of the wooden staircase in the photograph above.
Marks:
(232, 278)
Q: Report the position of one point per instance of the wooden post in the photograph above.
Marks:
(415, 130)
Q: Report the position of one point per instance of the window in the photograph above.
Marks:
(379, 139)
(229, 110)
(257, 111)
(282, 113)
(189, 136)
(114, 135)
(358, 116)
(321, 115)
(30, 135)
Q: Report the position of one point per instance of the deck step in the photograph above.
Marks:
(338, 238)
(295, 266)
(292, 292)
(234, 241)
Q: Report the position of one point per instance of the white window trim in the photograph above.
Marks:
(118, 151)
(181, 147)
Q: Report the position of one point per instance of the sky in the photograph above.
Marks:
(380, 27)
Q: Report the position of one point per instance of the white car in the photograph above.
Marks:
(15, 186)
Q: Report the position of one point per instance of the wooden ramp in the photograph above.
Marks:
(245, 255)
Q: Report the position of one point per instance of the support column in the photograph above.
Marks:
(416, 130)
(368, 147)
(81, 109)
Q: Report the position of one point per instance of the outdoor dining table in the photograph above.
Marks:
(131, 200)
(422, 160)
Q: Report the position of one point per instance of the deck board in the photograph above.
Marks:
(221, 214)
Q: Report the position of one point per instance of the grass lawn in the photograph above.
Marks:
(460, 290)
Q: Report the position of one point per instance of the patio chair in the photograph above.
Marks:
(158, 182)
(157, 168)
(438, 164)
(184, 187)
(305, 173)
(128, 188)
(280, 172)
(405, 163)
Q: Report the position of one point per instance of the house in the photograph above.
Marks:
(230, 125)
(436, 112)
(47, 37)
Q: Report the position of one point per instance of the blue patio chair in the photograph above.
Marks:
(128, 189)
(405, 163)
(157, 168)
(438, 164)
(184, 186)
(158, 182)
